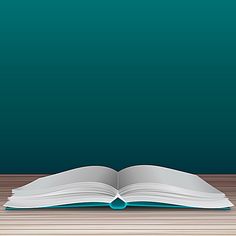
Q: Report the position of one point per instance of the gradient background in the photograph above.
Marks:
(117, 83)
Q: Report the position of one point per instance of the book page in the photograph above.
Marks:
(99, 174)
(164, 177)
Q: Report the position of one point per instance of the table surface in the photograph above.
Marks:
(131, 221)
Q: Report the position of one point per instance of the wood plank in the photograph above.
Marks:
(104, 221)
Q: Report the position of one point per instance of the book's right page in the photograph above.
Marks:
(147, 183)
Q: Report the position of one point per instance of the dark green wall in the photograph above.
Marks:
(117, 83)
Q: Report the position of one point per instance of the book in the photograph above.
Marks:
(141, 185)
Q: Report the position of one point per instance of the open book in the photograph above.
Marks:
(142, 185)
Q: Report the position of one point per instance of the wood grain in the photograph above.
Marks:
(104, 221)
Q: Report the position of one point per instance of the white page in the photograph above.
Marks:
(169, 178)
(199, 203)
(90, 174)
(57, 200)
(67, 189)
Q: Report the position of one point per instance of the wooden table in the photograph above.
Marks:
(133, 221)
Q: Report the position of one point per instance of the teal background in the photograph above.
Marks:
(117, 83)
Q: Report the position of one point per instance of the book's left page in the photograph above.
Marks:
(80, 185)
